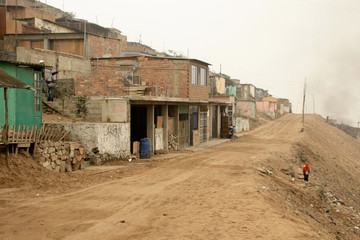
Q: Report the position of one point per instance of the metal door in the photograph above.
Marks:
(214, 121)
(203, 123)
(184, 127)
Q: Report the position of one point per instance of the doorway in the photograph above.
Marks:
(138, 123)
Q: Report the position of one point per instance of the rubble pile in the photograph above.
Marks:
(62, 156)
(173, 142)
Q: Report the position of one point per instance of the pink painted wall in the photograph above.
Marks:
(266, 106)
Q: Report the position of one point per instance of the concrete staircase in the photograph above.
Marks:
(69, 108)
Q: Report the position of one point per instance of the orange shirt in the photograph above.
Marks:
(306, 169)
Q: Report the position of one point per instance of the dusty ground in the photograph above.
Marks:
(247, 188)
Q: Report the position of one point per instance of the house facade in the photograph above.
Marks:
(24, 106)
(268, 106)
(164, 99)
(245, 100)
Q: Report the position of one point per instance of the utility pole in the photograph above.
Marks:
(313, 104)
(303, 109)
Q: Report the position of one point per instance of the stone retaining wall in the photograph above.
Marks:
(62, 156)
(102, 141)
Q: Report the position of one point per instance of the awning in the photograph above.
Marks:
(8, 81)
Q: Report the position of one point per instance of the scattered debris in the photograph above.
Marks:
(173, 142)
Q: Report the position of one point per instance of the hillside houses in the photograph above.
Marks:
(134, 92)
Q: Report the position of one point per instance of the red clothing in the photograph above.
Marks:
(306, 168)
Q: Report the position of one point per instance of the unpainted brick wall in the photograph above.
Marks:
(104, 47)
(165, 75)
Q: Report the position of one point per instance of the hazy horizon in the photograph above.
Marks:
(273, 44)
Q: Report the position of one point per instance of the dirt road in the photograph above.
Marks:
(229, 191)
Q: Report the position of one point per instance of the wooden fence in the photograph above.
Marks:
(24, 136)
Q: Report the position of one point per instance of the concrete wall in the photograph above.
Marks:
(68, 65)
(110, 140)
(159, 139)
(54, 28)
(245, 108)
(268, 108)
(114, 110)
(220, 85)
(242, 125)
(196, 138)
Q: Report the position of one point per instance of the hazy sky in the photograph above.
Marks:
(273, 44)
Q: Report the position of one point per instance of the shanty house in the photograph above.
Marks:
(268, 105)
(24, 107)
(164, 99)
(245, 100)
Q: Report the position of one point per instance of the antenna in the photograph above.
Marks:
(139, 38)
(112, 23)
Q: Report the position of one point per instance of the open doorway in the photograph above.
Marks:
(138, 123)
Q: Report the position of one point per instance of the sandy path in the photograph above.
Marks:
(215, 193)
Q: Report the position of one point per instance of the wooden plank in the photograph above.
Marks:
(61, 133)
(57, 135)
(63, 137)
(26, 133)
(46, 134)
(22, 134)
(51, 133)
(36, 136)
(30, 139)
(23, 145)
(41, 133)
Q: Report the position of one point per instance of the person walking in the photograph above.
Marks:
(306, 172)
(48, 76)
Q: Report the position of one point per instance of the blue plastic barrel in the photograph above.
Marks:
(145, 148)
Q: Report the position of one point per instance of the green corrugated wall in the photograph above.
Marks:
(20, 101)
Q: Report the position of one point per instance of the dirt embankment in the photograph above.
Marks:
(247, 188)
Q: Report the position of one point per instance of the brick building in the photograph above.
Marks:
(161, 97)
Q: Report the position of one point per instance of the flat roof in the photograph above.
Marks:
(156, 57)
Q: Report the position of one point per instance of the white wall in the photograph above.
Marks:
(111, 139)
(241, 125)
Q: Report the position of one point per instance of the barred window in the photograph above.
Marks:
(37, 94)
(194, 75)
(203, 76)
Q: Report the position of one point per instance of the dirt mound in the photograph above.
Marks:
(21, 170)
(332, 196)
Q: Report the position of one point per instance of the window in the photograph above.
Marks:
(37, 86)
(194, 75)
(203, 76)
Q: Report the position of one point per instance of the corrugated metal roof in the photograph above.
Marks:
(36, 65)
(8, 81)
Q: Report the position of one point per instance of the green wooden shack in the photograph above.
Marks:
(24, 106)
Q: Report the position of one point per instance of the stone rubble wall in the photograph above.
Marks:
(101, 141)
(62, 156)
